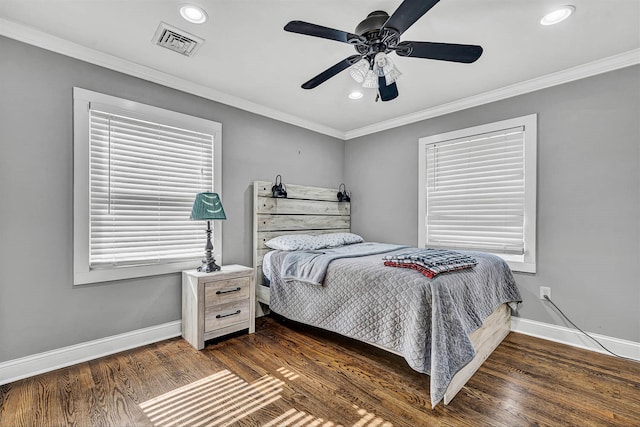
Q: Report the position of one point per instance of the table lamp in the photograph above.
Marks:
(207, 206)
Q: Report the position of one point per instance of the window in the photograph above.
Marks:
(137, 169)
(478, 190)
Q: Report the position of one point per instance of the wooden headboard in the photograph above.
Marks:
(306, 210)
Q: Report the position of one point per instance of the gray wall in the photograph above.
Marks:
(588, 197)
(39, 307)
(588, 216)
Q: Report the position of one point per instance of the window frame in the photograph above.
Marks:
(522, 263)
(82, 99)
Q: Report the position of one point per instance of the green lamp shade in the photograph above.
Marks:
(207, 206)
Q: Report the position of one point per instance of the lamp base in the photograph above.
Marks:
(208, 262)
(208, 266)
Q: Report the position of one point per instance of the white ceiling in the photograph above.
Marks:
(248, 60)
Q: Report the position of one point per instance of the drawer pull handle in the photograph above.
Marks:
(238, 289)
(220, 316)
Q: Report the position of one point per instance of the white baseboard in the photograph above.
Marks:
(28, 366)
(575, 338)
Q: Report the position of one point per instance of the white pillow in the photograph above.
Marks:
(307, 242)
(294, 242)
(334, 240)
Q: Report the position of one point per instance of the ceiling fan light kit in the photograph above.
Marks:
(377, 36)
(370, 81)
(359, 70)
(384, 67)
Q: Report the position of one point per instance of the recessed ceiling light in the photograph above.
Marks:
(356, 94)
(193, 14)
(557, 15)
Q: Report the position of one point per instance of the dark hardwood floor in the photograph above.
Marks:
(291, 375)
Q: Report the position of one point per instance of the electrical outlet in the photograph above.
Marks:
(545, 291)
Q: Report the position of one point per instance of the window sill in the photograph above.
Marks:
(122, 273)
(517, 264)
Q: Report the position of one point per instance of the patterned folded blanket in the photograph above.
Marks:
(431, 262)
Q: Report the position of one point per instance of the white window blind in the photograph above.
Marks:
(475, 192)
(143, 179)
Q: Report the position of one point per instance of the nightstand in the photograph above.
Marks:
(218, 303)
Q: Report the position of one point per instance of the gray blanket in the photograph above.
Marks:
(427, 321)
(311, 266)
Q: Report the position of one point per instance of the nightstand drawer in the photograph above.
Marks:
(223, 291)
(220, 316)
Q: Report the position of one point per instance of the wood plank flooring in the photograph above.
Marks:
(292, 375)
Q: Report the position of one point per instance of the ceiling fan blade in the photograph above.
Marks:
(330, 72)
(309, 29)
(408, 13)
(465, 53)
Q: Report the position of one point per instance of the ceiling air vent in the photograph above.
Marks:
(177, 40)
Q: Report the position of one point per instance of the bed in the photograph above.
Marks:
(435, 327)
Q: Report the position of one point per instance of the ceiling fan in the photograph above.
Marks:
(375, 37)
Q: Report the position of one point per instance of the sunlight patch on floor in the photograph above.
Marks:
(295, 418)
(369, 419)
(287, 373)
(217, 400)
(224, 398)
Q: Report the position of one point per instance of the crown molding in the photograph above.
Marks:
(600, 66)
(46, 41)
(52, 43)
